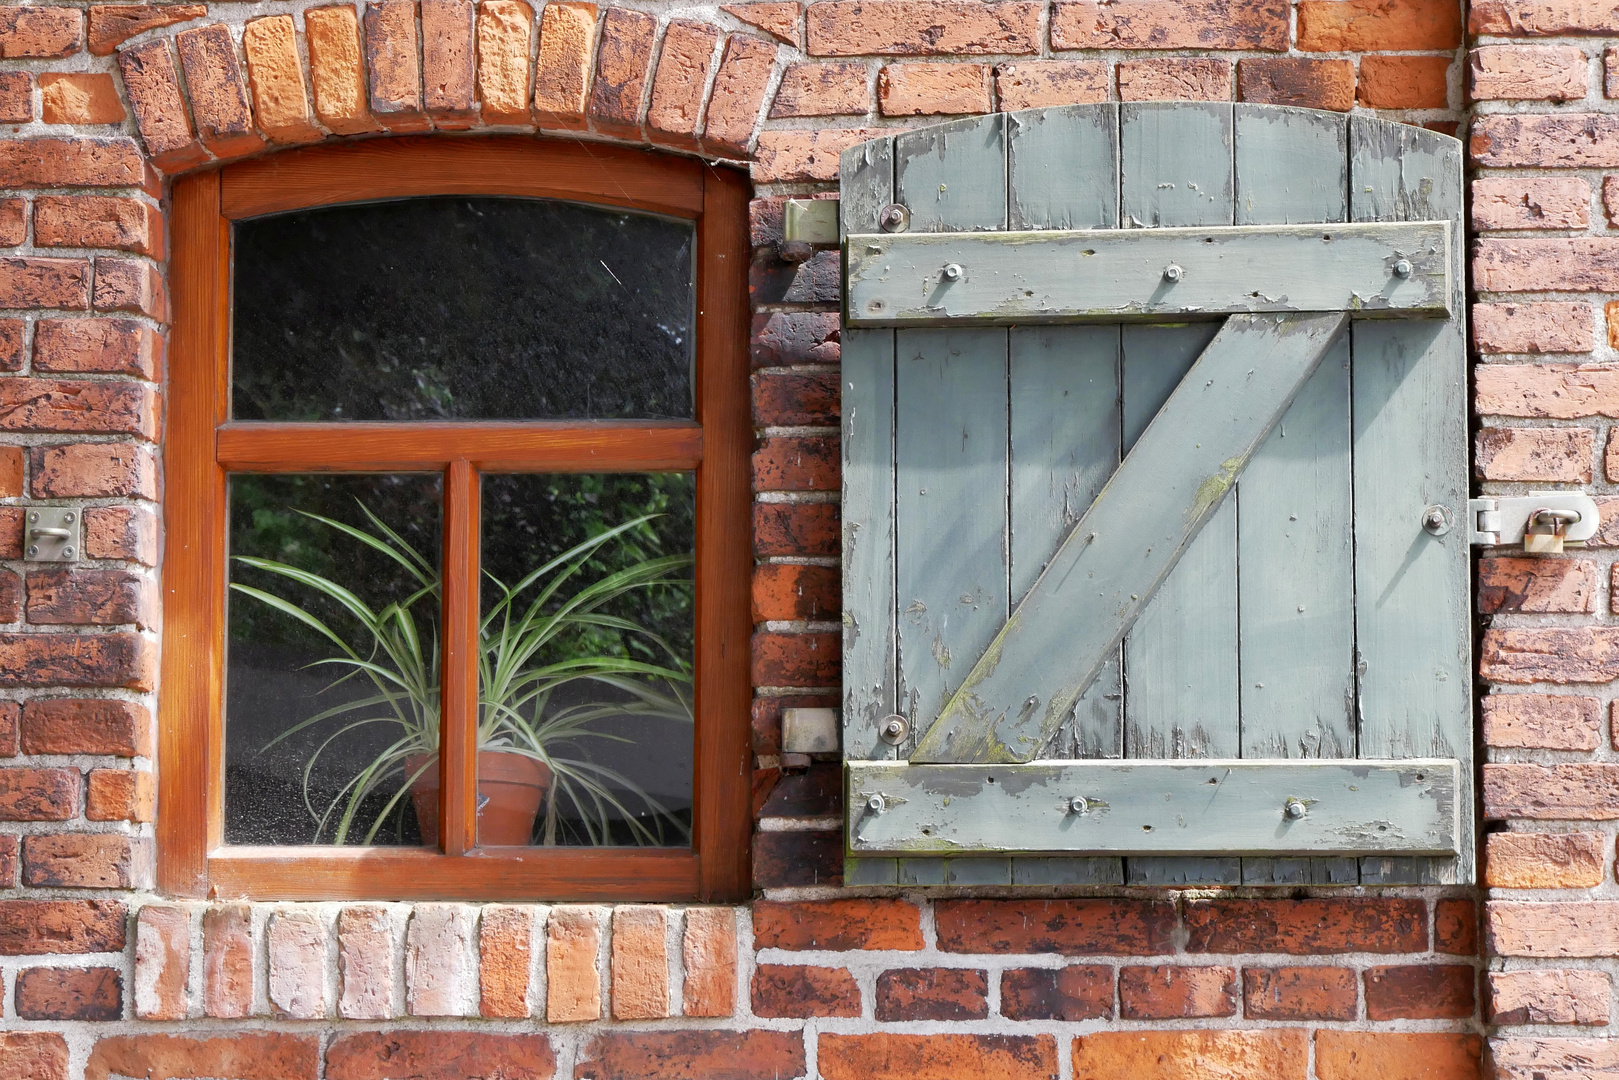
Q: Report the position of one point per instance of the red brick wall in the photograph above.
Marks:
(100, 977)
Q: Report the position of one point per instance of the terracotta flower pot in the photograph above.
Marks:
(511, 788)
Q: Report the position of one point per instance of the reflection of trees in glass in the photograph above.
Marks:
(462, 308)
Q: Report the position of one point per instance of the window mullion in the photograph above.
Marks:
(458, 740)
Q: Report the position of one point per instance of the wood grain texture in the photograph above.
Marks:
(554, 446)
(1176, 164)
(952, 176)
(1062, 168)
(1292, 165)
(458, 691)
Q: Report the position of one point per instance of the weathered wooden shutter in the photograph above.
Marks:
(1159, 447)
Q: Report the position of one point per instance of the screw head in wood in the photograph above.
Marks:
(1173, 273)
(1295, 808)
(1402, 268)
(1079, 804)
(952, 272)
(894, 729)
(894, 217)
(877, 804)
(1436, 520)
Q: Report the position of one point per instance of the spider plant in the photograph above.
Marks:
(542, 687)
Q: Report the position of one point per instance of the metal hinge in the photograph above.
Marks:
(811, 221)
(1501, 520)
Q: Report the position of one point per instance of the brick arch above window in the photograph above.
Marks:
(217, 93)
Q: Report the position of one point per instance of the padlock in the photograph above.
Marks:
(1544, 533)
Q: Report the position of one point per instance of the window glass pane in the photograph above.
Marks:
(462, 308)
(586, 675)
(332, 681)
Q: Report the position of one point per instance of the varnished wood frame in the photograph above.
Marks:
(201, 446)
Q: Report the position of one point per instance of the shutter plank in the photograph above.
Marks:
(1180, 661)
(870, 676)
(1063, 173)
(1410, 450)
(951, 442)
(1295, 559)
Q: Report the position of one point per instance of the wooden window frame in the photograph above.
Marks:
(201, 446)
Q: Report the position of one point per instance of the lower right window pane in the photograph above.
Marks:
(586, 668)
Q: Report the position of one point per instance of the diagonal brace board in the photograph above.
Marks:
(1373, 269)
(1174, 478)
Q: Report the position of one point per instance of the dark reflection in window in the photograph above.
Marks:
(461, 309)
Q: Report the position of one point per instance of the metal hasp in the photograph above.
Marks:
(1359, 807)
(1501, 520)
(52, 534)
(1052, 275)
(811, 221)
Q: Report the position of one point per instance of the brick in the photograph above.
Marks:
(1420, 992)
(936, 1057)
(101, 660)
(449, 68)
(1275, 1053)
(95, 726)
(10, 593)
(13, 222)
(1168, 24)
(622, 61)
(1551, 141)
(787, 659)
(505, 40)
(1076, 992)
(1068, 927)
(247, 1055)
(98, 162)
(439, 960)
(740, 86)
(1175, 79)
(1572, 929)
(1166, 992)
(800, 463)
(162, 962)
(921, 28)
(1531, 202)
(90, 470)
(709, 956)
(573, 987)
(100, 346)
(788, 591)
(1559, 455)
(11, 524)
(35, 927)
(676, 105)
(562, 71)
(296, 947)
(60, 993)
(1538, 1059)
(90, 598)
(837, 925)
(44, 283)
(1527, 73)
(365, 964)
(692, 1055)
(1530, 328)
(1542, 18)
(218, 92)
(1549, 997)
(1310, 84)
(227, 961)
(49, 405)
(38, 794)
(786, 338)
(1299, 993)
(16, 98)
(153, 90)
(1404, 82)
(1610, 72)
(1575, 792)
(933, 89)
(814, 792)
(822, 90)
(337, 70)
(505, 954)
(1378, 25)
(1541, 721)
(1365, 1055)
(1536, 585)
(119, 795)
(796, 398)
(800, 156)
(40, 32)
(130, 285)
(795, 529)
(10, 715)
(783, 860)
(120, 532)
(1306, 927)
(82, 861)
(113, 24)
(98, 221)
(946, 994)
(798, 992)
(640, 962)
(1610, 198)
(10, 854)
(440, 1055)
(11, 346)
(1550, 654)
(275, 74)
(779, 20)
(33, 1055)
(393, 65)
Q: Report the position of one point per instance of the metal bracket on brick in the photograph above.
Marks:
(1499, 520)
(52, 534)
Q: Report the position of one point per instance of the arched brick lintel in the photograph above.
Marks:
(215, 92)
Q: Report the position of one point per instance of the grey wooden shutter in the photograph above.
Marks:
(1133, 501)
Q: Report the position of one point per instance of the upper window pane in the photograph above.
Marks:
(462, 309)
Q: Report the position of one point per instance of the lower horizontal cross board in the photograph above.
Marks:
(1355, 807)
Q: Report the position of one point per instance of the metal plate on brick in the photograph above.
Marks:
(53, 534)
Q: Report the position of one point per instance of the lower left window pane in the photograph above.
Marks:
(332, 671)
